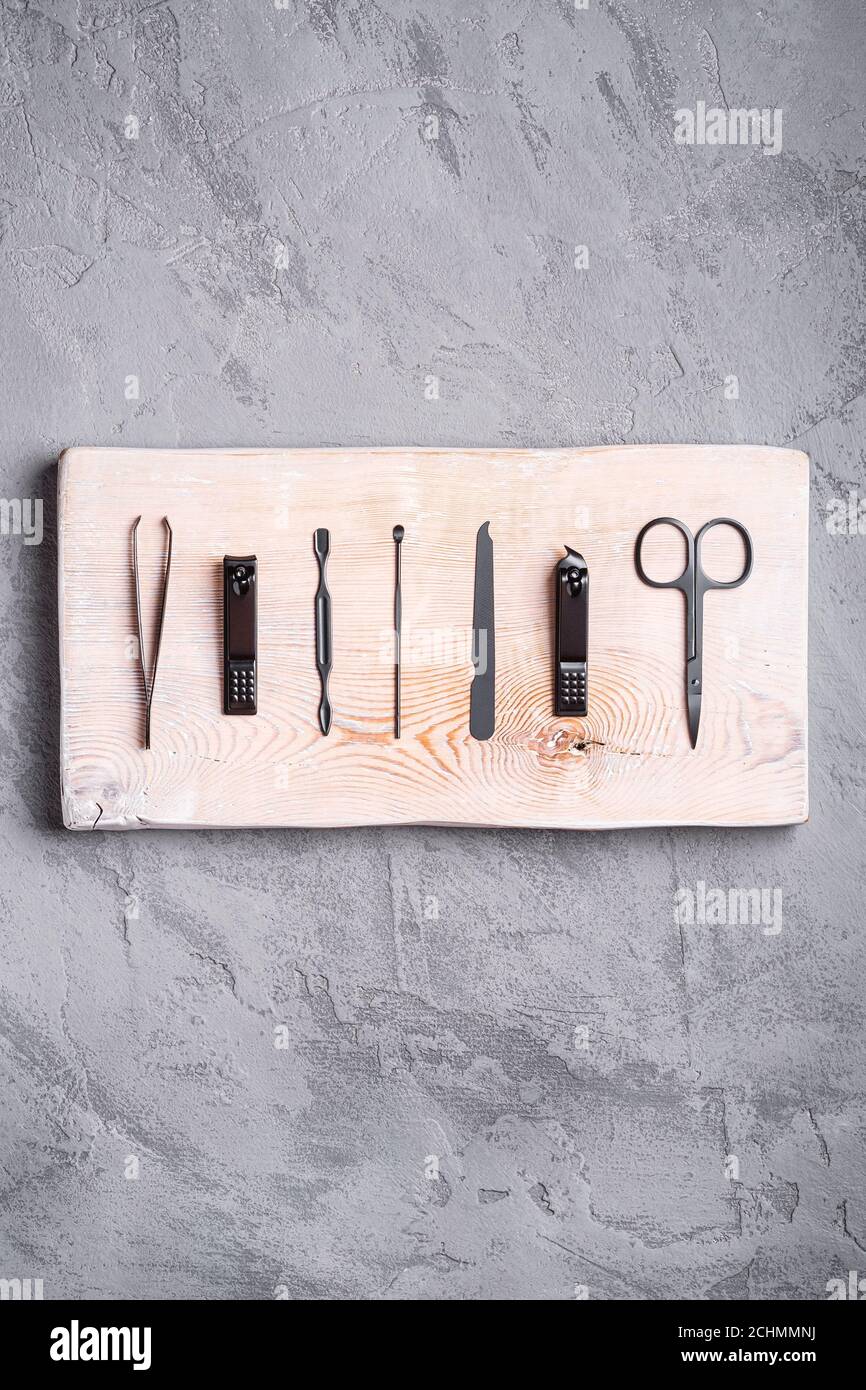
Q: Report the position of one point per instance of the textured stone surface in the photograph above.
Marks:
(285, 255)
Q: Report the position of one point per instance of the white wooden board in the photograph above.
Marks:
(629, 762)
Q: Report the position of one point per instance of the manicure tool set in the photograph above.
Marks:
(571, 634)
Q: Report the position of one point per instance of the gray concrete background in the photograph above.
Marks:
(142, 977)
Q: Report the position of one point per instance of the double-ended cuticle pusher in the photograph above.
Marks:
(322, 547)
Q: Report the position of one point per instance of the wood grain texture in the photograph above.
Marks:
(627, 763)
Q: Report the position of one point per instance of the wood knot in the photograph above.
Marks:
(566, 742)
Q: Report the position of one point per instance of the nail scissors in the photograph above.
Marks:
(694, 583)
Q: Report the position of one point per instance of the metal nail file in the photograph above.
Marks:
(482, 696)
(239, 634)
(572, 634)
(322, 547)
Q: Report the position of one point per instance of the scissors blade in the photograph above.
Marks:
(694, 704)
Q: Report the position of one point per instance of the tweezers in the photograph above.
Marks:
(148, 686)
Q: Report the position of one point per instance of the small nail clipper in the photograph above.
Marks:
(572, 634)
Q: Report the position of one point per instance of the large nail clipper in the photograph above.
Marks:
(240, 574)
(148, 685)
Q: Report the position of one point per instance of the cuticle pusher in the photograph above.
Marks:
(398, 534)
(322, 548)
